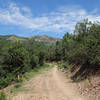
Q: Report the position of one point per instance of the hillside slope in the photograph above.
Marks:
(43, 39)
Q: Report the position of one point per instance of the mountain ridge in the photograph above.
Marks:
(43, 38)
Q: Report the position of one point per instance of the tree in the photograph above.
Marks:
(16, 59)
(41, 58)
(58, 51)
(34, 61)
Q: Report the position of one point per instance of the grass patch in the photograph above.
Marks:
(3, 96)
(63, 65)
(35, 71)
(17, 86)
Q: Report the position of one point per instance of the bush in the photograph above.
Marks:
(3, 96)
(82, 48)
(34, 61)
(41, 58)
(16, 59)
(4, 82)
(17, 86)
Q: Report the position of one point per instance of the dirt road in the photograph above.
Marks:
(51, 85)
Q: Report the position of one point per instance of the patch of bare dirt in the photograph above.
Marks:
(90, 88)
(51, 85)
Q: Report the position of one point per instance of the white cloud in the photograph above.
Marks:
(61, 20)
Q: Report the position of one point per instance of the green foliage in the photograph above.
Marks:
(18, 80)
(82, 48)
(17, 86)
(17, 58)
(50, 55)
(3, 96)
(58, 51)
(35, 71)
(5, 81)
(63, 65)
(34, 61)
(41, 58)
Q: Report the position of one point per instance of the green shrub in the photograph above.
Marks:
(17, 86)
(19, 80)
(16, 59)
(34, 61)
(41, 58)
(3, 96)
(4, 82)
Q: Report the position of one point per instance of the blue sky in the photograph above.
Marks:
(45, 17)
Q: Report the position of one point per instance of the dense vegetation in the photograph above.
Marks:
(3, 96)
(17, 58)
(82, 47)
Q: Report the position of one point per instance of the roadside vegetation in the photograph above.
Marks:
(78, 52)
(80, 49)
(27, 76)
(17, 58)
(3, 96)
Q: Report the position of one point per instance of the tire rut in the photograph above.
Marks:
(49, 86)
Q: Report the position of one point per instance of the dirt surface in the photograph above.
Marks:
(51, 85)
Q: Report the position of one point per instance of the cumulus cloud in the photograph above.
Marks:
(63, 19)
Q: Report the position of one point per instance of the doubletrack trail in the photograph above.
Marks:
(51, 85)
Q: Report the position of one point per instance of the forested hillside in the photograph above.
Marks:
(19, 55)
(80, 48)
(43, 39)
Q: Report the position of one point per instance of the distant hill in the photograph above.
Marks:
(12, 38)
(43, 39)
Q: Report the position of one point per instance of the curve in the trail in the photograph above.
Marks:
(49, 86)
